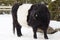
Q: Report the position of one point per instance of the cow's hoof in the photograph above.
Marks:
(35, 37)
(46, 37)
(19, 35)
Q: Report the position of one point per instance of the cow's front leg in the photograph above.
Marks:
(45, 34)
(34, 31)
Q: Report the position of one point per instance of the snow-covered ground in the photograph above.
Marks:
(6, 32)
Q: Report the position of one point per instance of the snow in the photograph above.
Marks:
(6, 30)
(54, 24)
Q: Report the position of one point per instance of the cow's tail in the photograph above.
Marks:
(14, 15)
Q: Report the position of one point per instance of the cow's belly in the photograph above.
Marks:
(22, 14)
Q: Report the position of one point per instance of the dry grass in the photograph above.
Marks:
(49, 30)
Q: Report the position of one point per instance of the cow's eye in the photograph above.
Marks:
(36, 15)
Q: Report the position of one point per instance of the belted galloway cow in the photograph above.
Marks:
(34, 15)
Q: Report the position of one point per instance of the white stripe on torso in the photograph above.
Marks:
(22, 13)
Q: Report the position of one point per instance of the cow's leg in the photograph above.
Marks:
(34, 31)
(14, 27)
(45, 33)
(18, 28)
(14, 21)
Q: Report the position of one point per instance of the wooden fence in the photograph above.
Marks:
(5, 8)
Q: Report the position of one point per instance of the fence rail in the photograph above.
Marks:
(5, 8)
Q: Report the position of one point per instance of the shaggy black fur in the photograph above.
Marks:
(15, 22)
(39, 17)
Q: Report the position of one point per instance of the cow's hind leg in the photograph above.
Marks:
(16, 25)
(14, 21)
(18, 28)
(13, 27)
(34, 31)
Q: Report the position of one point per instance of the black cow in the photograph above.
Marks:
(34, 15)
